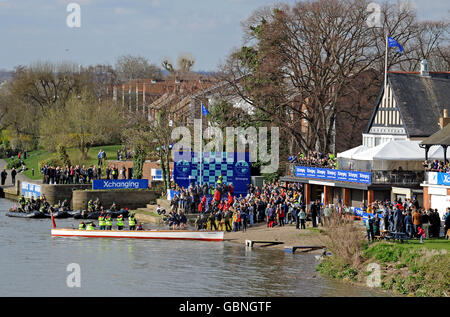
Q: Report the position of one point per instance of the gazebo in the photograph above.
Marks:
(442, 138)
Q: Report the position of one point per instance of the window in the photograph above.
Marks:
(377, 141)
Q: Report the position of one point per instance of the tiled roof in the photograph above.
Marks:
(421, 100)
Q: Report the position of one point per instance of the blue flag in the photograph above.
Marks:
(394, 43)
(204, 110)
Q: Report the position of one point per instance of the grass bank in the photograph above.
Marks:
(34, 157)
(407, 269)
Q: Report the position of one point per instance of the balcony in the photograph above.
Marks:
(399, 178)
(396, 178)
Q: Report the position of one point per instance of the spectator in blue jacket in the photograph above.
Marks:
(409, 225)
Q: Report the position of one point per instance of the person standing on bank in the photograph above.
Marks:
(4, 174)
(108, 222)
(314, 207)
(120, 222)
(369, 229)
(302, 217)
(102, 221)
(100, 158)
(132, 222)
(13, 176)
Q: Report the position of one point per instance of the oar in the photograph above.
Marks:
(53, 219)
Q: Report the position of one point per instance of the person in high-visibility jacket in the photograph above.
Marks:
(91, 206)
(108, 222)
(120, 222)
(132, 222)
(90, 226)
(82, 226)
(101, 221)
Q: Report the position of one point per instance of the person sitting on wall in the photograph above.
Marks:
(97, 204)
(64, 205)
(91, 206)
(160, 211)
(182, 220)
(113, 207)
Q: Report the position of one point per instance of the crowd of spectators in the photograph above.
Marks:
(314, 159)
(217, 208)
(79, 174)
(405, 217)
(436, 166)
(124, 154)
(277, 205)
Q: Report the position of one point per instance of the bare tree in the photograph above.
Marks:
(299, 59)
(185, 62)
(131, 67)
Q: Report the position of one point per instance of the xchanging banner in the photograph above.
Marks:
(120, 184)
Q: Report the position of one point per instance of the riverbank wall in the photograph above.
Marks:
(125, 198)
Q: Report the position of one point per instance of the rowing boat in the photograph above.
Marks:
(138, 234)
(143, 234)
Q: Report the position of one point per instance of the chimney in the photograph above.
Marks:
(424, 68)
(443, 121)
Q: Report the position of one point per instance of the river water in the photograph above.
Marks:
(35, 264)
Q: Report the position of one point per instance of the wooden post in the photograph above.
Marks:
(307, 194)
(370, 197)
(327, 195)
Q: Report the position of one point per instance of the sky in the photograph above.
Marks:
(37, 30)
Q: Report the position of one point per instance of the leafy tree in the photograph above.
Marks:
(82, 123)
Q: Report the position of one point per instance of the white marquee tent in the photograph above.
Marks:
(390, 155)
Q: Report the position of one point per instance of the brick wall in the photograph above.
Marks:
(131, 199)
(146, 170)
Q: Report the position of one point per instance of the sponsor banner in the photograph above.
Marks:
(321, 173)
(234, 167)
(342, 176)
(365, 178)
(120, 184)
(358, 211)
(171, 194)
(443, 179)
(29, 190)
(300, 171)
(333, 175)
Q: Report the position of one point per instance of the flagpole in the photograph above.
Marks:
(201, 143)
(386, 64)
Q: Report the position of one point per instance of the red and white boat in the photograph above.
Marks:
(143, 234)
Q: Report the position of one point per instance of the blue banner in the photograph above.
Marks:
(30, 190)
(171, 193)
(443, 179)
(333, 175)
(233, 166)
(120, 184)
